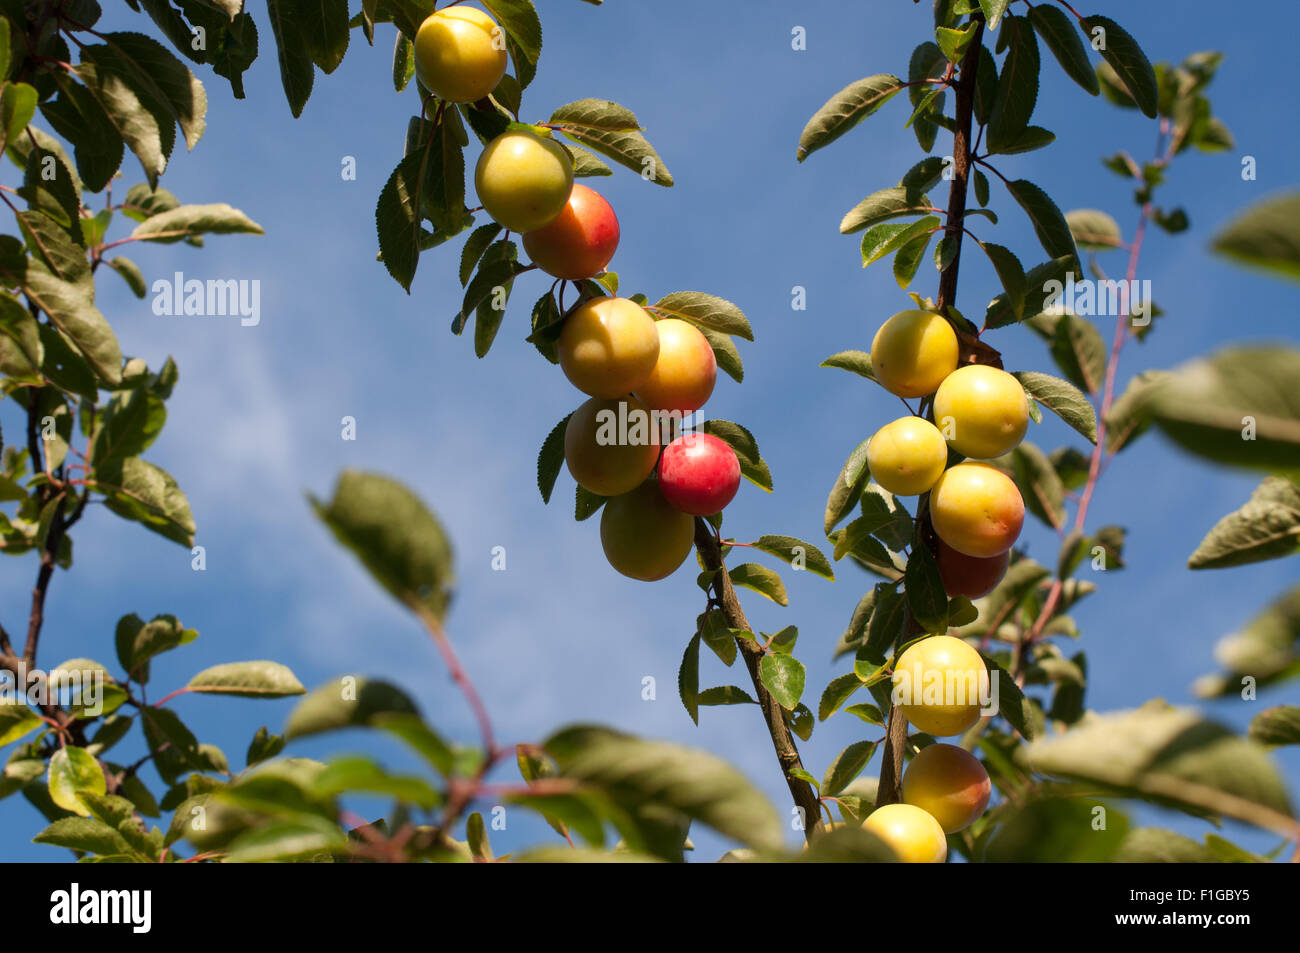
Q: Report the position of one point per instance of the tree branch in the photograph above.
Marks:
(787, 753)
(890, 790)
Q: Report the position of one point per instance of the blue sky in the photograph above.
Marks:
(559, 637)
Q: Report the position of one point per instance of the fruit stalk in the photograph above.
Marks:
(787, 753)
(890, 789)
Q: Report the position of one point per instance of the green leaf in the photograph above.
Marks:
(289, 20)
(837, 692)
(848, 487)
(1094, 229)
(1038, 290)
(1155, 845)
(324, 25)
(1238, 407)
(86, 834)
(688, 679)
(475, 246)
(1126, 58)
(783, 676)
(653, 776)
(187, 221)
(1263, 652)
(726, 353)
(613, 131)
(705, 311)
(1010, 273)
(857, 362)
(993, 10)
(954, 42)
(524, 32)
(130, 273)
(1061, 398)
(357, 774)
(73, 771)
(395, 537)
(1170, 755)
(550, 459)
(752, 466)
(247, 680)
(1043, 492)
(397, 220)
(129, 423)
(17, 107)
(760, 579)
(303, 836)
(1279, 725)
(347, 703)
(1063, 40)
(16, 721)
(1049, 224)
(263, 747)
(1012, 703)
(884, 205)
(137, 642)
(726, 695)
(162, 82)
(1128, 418)
(880, 240)
(1267, 527)
(801, 555)
(70, 309)
(908, 259)
(1265, 236)
(887, 623)
(845, 110)
(926, 597)
(848, 764)
(1079, 351)
(138, 490)
(1017, 89)
(1057, 830)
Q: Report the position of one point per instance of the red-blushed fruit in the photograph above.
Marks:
(970, 576)
(977, 509)
(699, 474)
(684, 375)
(949, 784)
(643, 536)
(580, 241)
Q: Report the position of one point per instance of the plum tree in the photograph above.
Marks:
(907, 456)
(684, 375)
(910, 832)
(699, 474)
(580, 241)
(982, 411)
(643, 536)
(941, 683)
(970, 576)
(608, 347)
(949, 784)
(913, 352)
(977, 509)
(460, 54)
(596, 457)
(523, 179)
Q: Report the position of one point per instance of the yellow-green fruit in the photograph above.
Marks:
(523, 179)
(911, 833)
(941, 684)
(913, 352)
(977, 509)
(949, 784)
(907, 456)
(460, 54)
(982, 411)
(608, 347)
(611, 446)
(643, 536)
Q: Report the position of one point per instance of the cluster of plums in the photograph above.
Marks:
(977, 513)
(642, 375)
